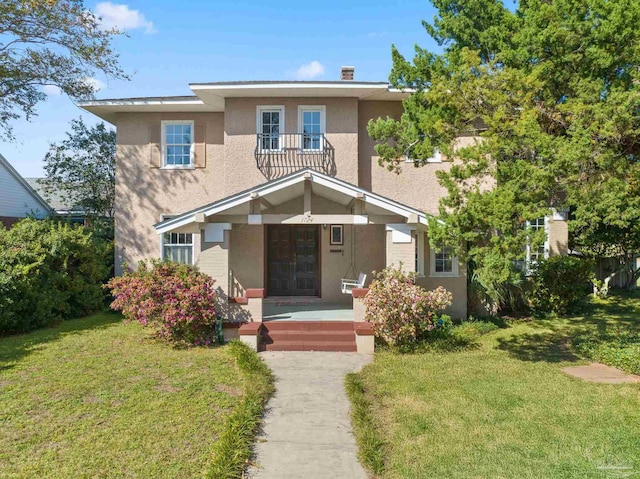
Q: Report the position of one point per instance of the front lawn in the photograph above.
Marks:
(503, 408)
(97, 397)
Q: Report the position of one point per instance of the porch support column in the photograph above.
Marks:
(401, 246)
(359, 205)
(307, 196)
(214, 261)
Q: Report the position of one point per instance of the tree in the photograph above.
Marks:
(50, 42)
(82, 168)
(550, 93)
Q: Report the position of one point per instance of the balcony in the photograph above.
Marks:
(279, 154)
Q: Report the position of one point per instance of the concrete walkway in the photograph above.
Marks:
(307, 432)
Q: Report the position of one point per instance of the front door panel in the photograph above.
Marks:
(292, 260)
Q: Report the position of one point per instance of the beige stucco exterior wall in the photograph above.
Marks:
(214, 261)
(413, 186)
(558, 237)
(457, 285)
(246, 258)
(240, 170)
(143, 193)
(400, 254)
(369, 252)
(416, 187)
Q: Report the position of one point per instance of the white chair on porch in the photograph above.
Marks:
(350, 284)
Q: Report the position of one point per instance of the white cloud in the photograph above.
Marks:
(51, 90)
(95, 83)
(120, 16)
(309, 71)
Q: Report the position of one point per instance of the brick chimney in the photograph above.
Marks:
(346, 73)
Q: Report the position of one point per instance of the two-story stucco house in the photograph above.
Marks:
(274, 189)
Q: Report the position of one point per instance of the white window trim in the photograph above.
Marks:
(164, 217)
(432, 266)
(281, 123)
(436, 158)
(528, 260)
(163, 125)
(323, 122)
(339, 227)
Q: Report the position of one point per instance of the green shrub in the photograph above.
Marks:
(559, 283)
(48, 272)
(619, 348)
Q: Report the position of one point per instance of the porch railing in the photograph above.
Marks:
(278, 154)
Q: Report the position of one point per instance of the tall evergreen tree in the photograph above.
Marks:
(550, 92)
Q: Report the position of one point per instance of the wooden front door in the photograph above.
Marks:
(292, 260)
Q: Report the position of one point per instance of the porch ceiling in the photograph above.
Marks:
(272, 194)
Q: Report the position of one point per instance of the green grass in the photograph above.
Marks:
(233, 449)
(97, 397)
(502, 408)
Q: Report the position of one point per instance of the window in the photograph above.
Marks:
(178, 247)
(270, 127)
(436, 158)
(337, 237)
(311, 126)
(177, 144)
(542, 252)
(443, 263)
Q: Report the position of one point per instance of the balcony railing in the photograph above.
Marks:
(278, 154)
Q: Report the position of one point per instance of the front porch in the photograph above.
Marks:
(288, 308)
(279, 251)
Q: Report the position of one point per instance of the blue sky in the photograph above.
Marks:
(173, 43)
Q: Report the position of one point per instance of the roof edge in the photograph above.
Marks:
(179, 219)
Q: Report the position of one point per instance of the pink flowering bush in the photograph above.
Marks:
(401, 311)
(173, 298)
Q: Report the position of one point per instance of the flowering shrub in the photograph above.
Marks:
(401, 311)
(173, 298)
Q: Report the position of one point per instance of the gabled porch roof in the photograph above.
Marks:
(282, 190)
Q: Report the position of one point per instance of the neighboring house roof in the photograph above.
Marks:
(56, 199)
(17, 197)
(287, 188)
(210, 97)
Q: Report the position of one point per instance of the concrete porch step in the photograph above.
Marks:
(311, 346)
(308, 336)
(300, 335)
(308, 325)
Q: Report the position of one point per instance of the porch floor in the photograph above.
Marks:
(303, 309)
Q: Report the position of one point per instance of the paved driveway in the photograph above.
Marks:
(307, 433)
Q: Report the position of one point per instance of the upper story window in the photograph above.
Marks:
(311, 126)
(177, 144)
(443, 263)
(436, 158)
(270, 126)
